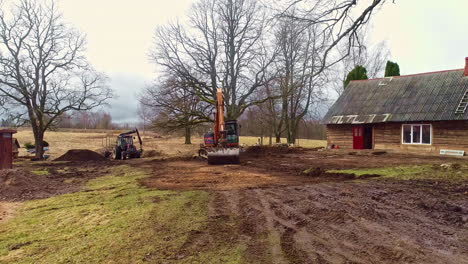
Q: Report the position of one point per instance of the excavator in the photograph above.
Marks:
(221, 146)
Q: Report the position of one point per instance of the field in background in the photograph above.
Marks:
(62, 141)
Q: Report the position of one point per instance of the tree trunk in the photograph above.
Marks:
(188, 140)
(270, 142)
(278, 138)
(261, 137)
(39, 142)
(293, 133)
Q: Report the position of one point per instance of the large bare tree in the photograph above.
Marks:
(335, 21)
(43, 71)
(298, 59)
(222, 44)
(175, 106)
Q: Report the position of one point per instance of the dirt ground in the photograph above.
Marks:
(273, 168)
(284, 216)
(7, 210)
(37, 180)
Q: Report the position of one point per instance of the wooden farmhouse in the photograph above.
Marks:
(423, 113)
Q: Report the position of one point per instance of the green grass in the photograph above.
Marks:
(40, 172)
(413, 172)
(114, 220)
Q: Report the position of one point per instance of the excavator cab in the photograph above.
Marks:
(232, 133)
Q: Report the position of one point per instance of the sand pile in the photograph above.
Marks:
(19, 184)
(80, 155)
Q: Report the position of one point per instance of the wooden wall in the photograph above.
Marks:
(452, 135)
(341, 135)
(387, 136)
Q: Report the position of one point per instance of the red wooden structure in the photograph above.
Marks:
(6, 148)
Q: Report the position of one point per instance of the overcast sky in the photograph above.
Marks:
(423, 35)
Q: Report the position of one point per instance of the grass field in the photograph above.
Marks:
(114, 220)
(62, 141)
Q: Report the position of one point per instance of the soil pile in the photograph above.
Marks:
(80, 155)
(280, 149)
(151, 153)
(19, 184)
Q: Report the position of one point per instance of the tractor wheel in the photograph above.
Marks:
(117, 153)
(124, 155)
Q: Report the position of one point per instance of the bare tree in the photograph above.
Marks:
(297, 62)
(335, 21)
(373, 58)
(145, 113)
(43, 72)
(175, 106)
(222, 45)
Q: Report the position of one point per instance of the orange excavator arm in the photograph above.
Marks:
(219, 116)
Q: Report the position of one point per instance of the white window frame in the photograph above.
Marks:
(420, 140)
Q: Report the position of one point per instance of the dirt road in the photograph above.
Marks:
(285, 217)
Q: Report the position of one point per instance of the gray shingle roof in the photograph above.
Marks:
(420, 97)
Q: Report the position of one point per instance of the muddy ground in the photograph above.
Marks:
(38, 180)
(284, 216)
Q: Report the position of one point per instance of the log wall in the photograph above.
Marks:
(387, 136)
(340, 135)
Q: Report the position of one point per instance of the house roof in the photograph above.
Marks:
(433, 96)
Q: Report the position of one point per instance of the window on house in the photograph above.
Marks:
(417, 134)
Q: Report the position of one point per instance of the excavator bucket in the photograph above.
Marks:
(224, 156)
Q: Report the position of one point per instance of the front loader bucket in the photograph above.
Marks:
(224, 156)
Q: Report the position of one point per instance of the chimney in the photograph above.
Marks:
(466, 67)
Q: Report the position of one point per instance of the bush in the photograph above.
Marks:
(29, 145)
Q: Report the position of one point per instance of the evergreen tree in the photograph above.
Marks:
(358, 73)
(392, 69)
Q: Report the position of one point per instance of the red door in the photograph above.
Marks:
(358, 137)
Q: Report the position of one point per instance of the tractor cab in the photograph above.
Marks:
(124, 141)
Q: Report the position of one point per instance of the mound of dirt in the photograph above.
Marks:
(80, 155)
(20, 184)
(151, 153)
(281, 149)
(319, 172)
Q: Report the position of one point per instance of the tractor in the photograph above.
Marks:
(124, 147)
